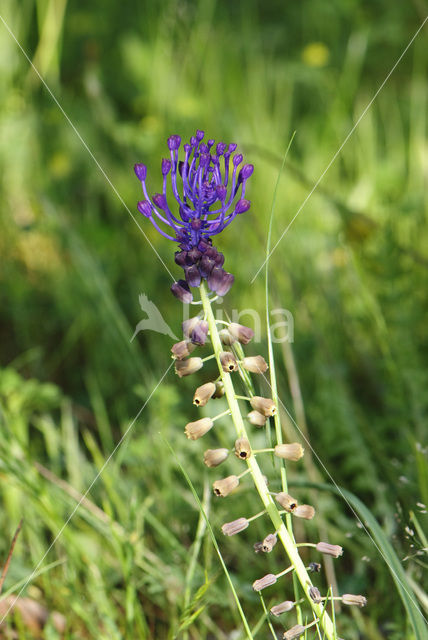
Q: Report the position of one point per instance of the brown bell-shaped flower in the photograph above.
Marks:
(241, 333)
(266, 406)
(234, 527)
(286, 501)
(255, 364)
(214, 457)
(225, 486)
(293, 451)
(242, 448)
(304, 511)
(182, 349)
(187, 367)
(228, 362)
(195, 430)
(203, 394)
(328, 549)
(264, 582)
(256, 418)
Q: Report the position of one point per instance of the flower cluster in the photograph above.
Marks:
(211, 194)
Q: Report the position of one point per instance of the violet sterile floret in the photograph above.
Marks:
(210, 193)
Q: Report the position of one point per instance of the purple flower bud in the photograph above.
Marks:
(221, 192)
(140, 171)
(237, 159)
(194, 255)
(242, 205)
(193, 141)
(181, 291)
(219, 260)
(166, 166)
(174, 142)
(193, 277)
(187, 147)
(220, 148)
(203, 148)
(181, 258)
(232, 147)
(220, 281)
(160, 201)
(145, 208)
(226, 284)
(203, 245)
(199, 134)
(210, 142)
(211, 252)
(199, 333)
(246, 171)
(206, 265)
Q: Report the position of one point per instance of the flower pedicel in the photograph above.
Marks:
(208, 186)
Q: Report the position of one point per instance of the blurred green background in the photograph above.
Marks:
(352, 269)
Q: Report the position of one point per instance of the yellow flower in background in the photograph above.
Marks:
(316, 54)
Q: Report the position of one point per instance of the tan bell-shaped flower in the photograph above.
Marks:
(214, 457)
(328, 549)
(266, 406)
(242, 448)
(256, 418)
(234, 527)
(241, 333)
(304, 511)
(286, 501)
(187, 367)
(287, 605)
(182, 349)
(195, 430)
(255, 364)
(225, 486)
(228, 362)
(264, 582)
(350, 599)
(293, 451)
(203, 394)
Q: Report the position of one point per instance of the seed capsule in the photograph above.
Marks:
(223, 487)
(292, 451)
(242, 448)
(350, 599)
(195, 430)
(257, 418)
(241, 333)
(264, 582)
(182, 349)
(214, 457)
(187, 367)
(234, 527)
(304, 511)
(295, 632)
(314, 594)
(228, 362)
(286, 501)
(203, 394)
(266, 406)
(287, 605)
(255, 364)
(329, 549)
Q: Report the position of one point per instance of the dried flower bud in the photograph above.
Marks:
(182, 349)
(257, 418)
(266, 406)
(286, 501)
(314, 567)
(350, 599)
(292, 451)
(314, 594)
(225, 486)
(236, 526)
(269, 542)
(287, 605)
(295, 632)
(264, 582)
(203, 394)
(242, 448)
(199, 333)
(255, 364)
(187, 367)
(219, 389)
(329, 549)
(241, 333)
(228, 362)
(226, 338)
(214, 457)
(304, 511)
(195, 430)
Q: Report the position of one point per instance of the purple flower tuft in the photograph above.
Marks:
(209, 189)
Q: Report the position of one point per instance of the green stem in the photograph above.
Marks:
(257, 475)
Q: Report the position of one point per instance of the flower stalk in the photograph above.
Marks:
(284, 532)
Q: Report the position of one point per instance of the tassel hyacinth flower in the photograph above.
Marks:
(208, 186)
